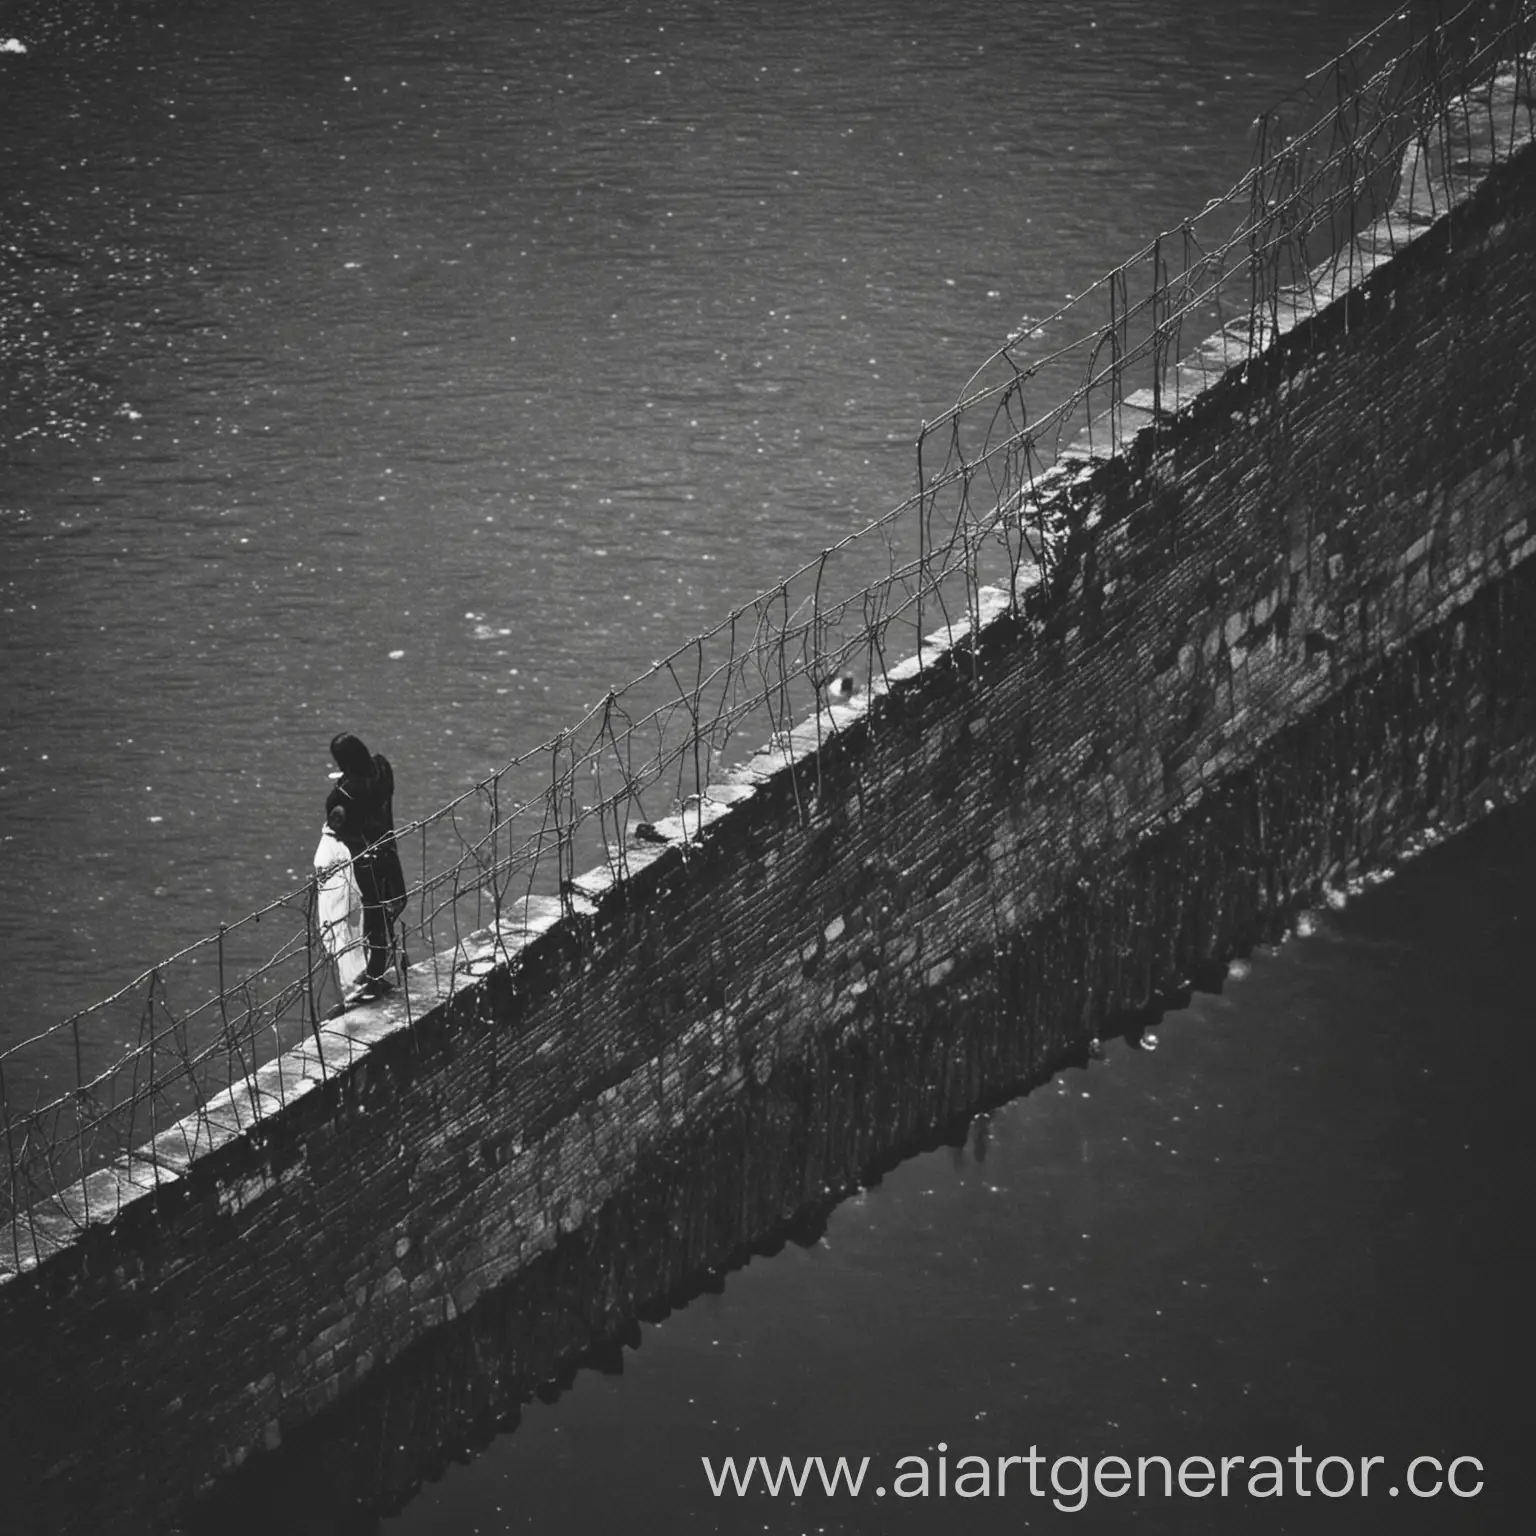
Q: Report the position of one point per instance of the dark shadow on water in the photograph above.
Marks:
(295, 1488)
(447, 1399)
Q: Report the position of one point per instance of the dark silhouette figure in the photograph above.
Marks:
(360, 811)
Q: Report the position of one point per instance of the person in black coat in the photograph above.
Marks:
(360, 811)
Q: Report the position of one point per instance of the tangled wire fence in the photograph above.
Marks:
(1380, 141)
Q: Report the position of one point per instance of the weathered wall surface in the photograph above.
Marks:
(1290, 630)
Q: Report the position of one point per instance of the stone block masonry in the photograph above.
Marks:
(1289, 632)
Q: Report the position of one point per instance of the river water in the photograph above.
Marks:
(424, 371)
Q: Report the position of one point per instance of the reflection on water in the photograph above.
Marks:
(1295, 1223)
(424, 371)
(1298, 1222)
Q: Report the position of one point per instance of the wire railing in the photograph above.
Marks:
(1376, 144)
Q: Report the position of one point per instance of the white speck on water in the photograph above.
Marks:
(396, 655)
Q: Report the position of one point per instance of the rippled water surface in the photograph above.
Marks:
(425, 370)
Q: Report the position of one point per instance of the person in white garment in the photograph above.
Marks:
(340, 913)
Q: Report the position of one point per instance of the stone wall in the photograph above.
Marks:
(1289, 631)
